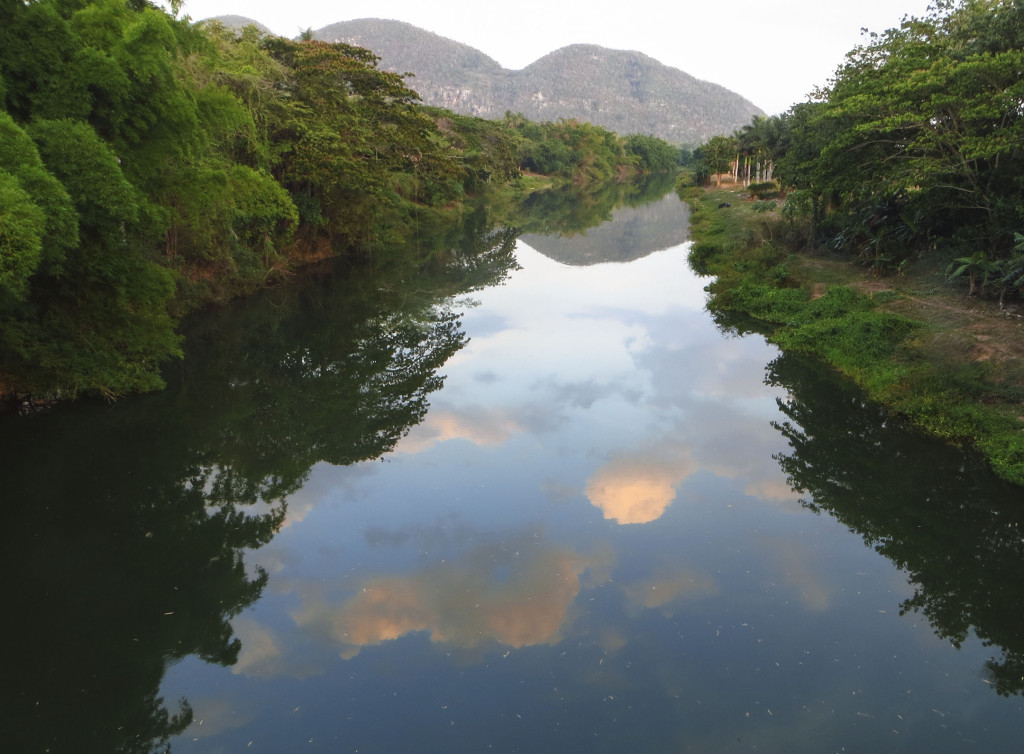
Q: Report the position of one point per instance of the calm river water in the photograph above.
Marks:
(529, 497)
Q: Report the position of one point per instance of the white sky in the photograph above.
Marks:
(773, 52)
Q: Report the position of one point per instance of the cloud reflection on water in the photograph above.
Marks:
(516, 594)
(637, 490)
(666, 591)
(478, 425)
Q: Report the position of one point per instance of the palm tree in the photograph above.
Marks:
(758, 146)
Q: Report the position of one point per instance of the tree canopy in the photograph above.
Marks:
(915, 146)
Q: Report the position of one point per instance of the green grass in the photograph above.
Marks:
(905, 343)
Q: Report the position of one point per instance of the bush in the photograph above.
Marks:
(765, 190)
(701, 254)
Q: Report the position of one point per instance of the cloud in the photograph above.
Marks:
(262, 653)
(483, 427)
(774, 488)
(585, 393)
(215, 715)
(491, 594)
(634, 490)
(664, 592)
(801, 573)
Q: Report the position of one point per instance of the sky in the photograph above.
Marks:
(773, 53)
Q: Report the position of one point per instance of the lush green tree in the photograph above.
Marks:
(487, 150)
(155, 122)
(548, 158)
(347, 135)
(232, 221)
(102, 323)
(715, 157)
(22, 224)
(758, 147)
(20, 158)
(653, 154)
(918, 139)
(580, 152)
(804, 135)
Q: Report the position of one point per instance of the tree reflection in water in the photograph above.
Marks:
(126, 525)
(934, 511)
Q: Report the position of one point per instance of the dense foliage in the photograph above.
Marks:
(583, 153)
(916, 146)
(148, 165)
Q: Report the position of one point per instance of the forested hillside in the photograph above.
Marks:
(149, 165)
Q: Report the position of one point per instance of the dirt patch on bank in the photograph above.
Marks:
(963, 328)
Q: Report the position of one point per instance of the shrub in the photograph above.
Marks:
(765, 190)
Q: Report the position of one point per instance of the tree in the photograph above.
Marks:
(19, 157)
(978, 268)
(103, 323)
(22, 224)
(653, 154)
(758, 145)
(922, 129)
(715, 157)
(346, 134)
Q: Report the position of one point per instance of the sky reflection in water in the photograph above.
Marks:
(585, 546)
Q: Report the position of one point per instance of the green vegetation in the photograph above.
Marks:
(909, 164)
(583, 153)
(936, 514)
(896, 338)
(331, 368)
(914, 149)
(149, 166)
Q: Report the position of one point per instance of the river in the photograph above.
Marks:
(527, 496)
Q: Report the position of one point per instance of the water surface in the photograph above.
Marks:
(565, 512)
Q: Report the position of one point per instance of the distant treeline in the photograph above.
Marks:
(915, 147)
(149, 165)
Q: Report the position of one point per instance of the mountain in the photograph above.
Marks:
(239, 22)
(445, 73)
(623, 91)
(631, 233)
(627, 92)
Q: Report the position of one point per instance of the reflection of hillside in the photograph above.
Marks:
(631, 233)
(956, 529)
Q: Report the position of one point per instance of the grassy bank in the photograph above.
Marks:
(953, 365)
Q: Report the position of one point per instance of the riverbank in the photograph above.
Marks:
(949, 363)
